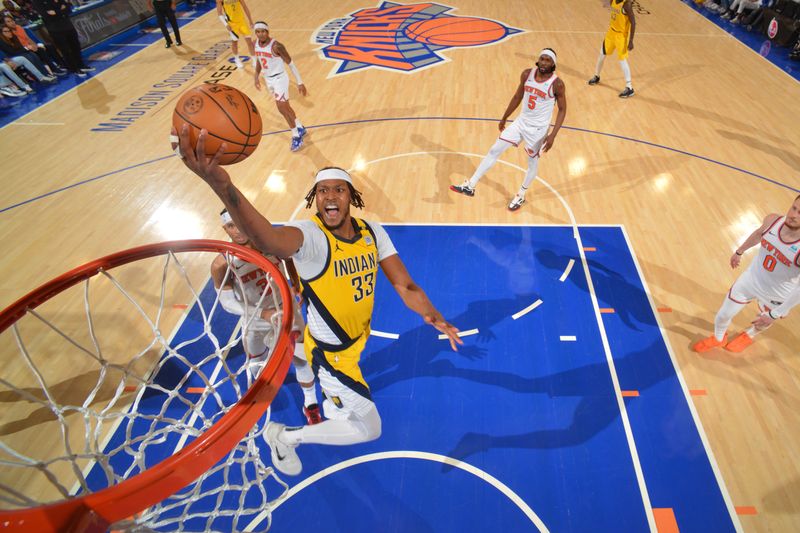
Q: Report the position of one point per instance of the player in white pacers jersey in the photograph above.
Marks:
(241, 286)
(772, 279)
(539, 90)
(271, 56)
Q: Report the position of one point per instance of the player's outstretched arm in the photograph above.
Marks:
(416, 299)
(281, 241)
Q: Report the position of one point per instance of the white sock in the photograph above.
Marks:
(724, 317)
(297, 123)
(530, 175)
(626, 71)
(295, 132)
(495, 151)
(309, 395)
(336, 432)
(599, 67)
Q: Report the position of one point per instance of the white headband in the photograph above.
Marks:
(550, 54)
(225, 217)
(260, 26)
(333, 174)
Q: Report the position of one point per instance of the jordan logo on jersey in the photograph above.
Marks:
(402, 37)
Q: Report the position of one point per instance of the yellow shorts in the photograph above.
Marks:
(615, 40)
(339, 375)
(239, 28)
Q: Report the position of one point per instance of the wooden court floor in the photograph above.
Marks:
(690, 165)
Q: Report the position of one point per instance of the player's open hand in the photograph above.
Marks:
(502, 125)
(736, 259)
(548, 143)
(763, 321)
(302, 89)
(437, 320)
(257, 82)
(630, 45)
(198, 162)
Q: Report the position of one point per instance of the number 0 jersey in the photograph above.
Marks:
(776, 270)
(339, 277)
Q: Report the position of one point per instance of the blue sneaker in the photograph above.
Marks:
(301, 132)
(297, 143)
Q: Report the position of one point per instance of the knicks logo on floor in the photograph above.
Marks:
(402, 37)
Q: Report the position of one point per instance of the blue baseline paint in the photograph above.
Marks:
(515, 401)
(365, 121)
(676, 469)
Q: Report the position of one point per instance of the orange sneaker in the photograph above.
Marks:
(708, 343)
(739, 343)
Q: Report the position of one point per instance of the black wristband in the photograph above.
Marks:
(737, 252)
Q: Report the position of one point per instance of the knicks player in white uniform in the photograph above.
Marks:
(773, 280)
(539, 89)
(271, 58)
(241, 286)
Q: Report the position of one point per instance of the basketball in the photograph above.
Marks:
(456, 31)
(227, 114)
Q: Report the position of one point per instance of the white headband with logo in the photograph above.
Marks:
(550, 54)
(260, 26)
(225, 217)
(333, 174)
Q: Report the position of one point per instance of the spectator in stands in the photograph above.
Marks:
(11, 46)
(55, 16)
(737, 9)
(21, 10)
(7, 87)
(15, 59)
(8, 73)
(718, 6)
(47, 53)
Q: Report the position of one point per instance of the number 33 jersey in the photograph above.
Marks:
(339, 277)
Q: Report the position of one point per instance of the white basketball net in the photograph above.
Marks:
(93, 393)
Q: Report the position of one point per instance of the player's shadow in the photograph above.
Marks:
(591, 416)
(695, 114)
(392, 364)
(93, 95)
(449, 169)
(619, 175)
(749, 143)
(629, 301)
(360, 121)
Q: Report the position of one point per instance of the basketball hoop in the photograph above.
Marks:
(203, 426)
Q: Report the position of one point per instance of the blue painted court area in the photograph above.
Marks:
(527, 407)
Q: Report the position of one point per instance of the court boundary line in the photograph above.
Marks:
(692, 409)
(634, 454)
(407, 454)
(390, 119)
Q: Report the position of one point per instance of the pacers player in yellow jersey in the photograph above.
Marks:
(619, 37)
(235, 16)
(337, 257)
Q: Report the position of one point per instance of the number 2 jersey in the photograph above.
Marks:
(338, 277)
(776, 271)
